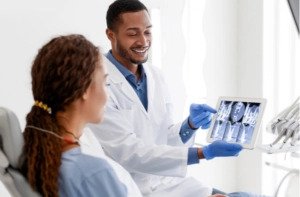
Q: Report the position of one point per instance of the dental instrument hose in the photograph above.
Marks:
(294, 171)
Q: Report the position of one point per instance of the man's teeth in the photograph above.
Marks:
(140, 50)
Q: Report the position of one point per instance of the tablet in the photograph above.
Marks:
(237, 120)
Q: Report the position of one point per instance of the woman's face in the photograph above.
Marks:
(96, 95)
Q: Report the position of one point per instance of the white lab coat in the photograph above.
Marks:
(90, 146)
(146, 143)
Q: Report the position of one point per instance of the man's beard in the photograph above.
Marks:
(126, 55)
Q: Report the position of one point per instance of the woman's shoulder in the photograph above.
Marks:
(74, 161)
(86, 175)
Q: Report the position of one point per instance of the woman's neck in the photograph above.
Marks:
(72, 127)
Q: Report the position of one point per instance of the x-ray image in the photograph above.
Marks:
(224, 111)
(219, 129)
(232, 131)
(251, 114)
(237, 111)
(245, 134)
(235, 121)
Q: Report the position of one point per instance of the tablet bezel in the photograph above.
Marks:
(262, 105)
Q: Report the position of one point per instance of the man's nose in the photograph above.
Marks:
(143, 40)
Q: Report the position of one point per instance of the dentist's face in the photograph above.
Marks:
(131, 39)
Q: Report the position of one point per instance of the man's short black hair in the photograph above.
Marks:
(119, 7)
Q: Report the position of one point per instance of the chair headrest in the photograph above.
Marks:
(11, 138)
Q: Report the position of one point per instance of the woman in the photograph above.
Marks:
(68, 85)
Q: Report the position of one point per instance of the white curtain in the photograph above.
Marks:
(178, 48)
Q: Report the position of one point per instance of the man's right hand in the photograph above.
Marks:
(200, 116)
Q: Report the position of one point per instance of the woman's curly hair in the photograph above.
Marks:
(61, 73)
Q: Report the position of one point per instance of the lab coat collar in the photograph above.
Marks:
(114, 74)
(116, 77)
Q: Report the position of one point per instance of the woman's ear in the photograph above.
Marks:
(85, 95)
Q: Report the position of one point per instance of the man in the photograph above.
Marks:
(138, 130)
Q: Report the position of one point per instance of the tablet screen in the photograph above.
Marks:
(235, 121)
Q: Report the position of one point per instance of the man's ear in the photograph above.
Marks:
(110, 34)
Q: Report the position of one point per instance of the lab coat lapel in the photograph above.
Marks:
(150, 86)
(120, 81)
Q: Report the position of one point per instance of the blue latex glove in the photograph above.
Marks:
(200, 116)
(221, 148)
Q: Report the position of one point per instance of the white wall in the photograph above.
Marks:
(250, 80)
(26, 26)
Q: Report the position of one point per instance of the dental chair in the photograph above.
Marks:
(11, 143)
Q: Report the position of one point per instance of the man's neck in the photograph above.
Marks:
(134, 68)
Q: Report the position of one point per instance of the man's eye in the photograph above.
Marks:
(131, 34)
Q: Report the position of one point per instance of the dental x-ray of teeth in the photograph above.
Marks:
(235, 121)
